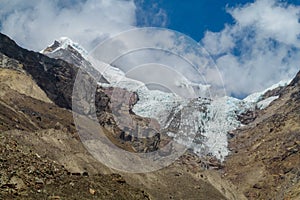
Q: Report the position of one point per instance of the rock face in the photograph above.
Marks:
(247, 117)
(54, 76)
(57, 77)
(265, 162)
(296, 81)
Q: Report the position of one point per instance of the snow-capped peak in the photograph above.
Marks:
(64, 43)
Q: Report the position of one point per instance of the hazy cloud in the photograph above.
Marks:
(260, 48)
(35, 24)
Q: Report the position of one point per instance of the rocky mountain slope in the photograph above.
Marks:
(265, 157)
(43, 157)
(24, 172)
(57, 77)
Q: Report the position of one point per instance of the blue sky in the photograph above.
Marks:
(254, 43)
(192, 17)
(248, 60)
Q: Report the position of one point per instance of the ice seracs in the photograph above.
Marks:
(205, 122)
(152, 103)
(202, 118)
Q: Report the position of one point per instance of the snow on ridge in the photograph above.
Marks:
(63, 43)
(266, 102)
(255, 97)
(195, 89)
(254, 100)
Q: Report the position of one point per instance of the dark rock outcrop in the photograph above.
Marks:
(247, 117)
(295, 81)
(55, 77)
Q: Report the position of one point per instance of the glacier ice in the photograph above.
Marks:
(204, 123)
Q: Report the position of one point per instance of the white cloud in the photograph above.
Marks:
(261, 48)
(272, 19)
(35, 24)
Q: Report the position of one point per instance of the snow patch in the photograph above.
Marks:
(256, 97)
(266, 102)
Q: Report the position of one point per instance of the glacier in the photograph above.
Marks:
(214, 124)
(204, 122)
(219, 117)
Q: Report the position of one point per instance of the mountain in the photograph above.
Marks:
(238, 149)
(262, 131)
(57, 77)
(208, 120)
(43, 156)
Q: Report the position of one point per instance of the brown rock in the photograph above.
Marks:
(92, 191)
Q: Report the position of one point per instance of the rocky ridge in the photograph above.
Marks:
(264, 162)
